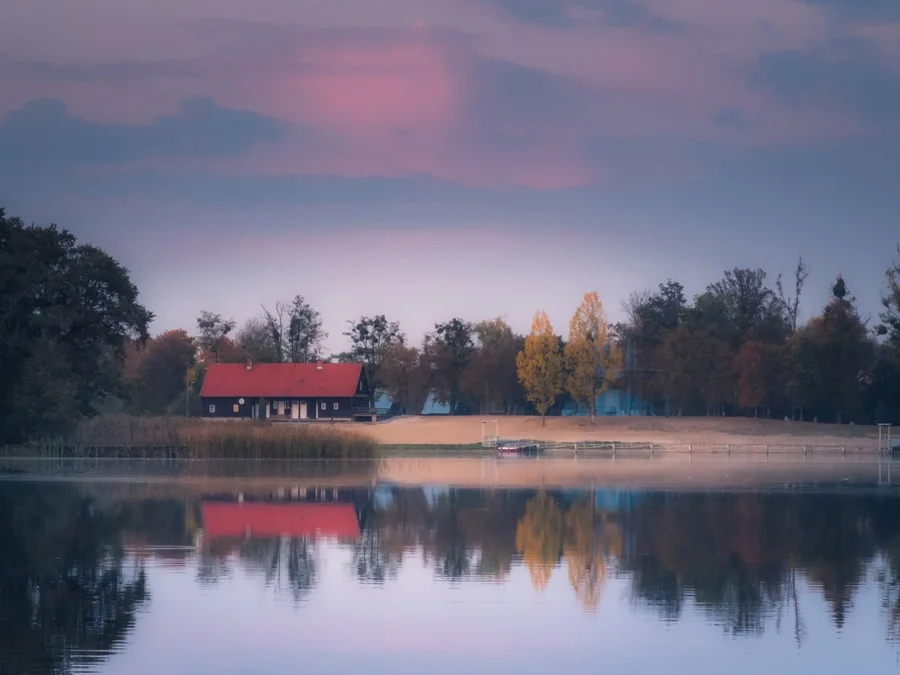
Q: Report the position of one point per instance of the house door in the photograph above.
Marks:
(303, 410)
(281, 407)
(295, 410)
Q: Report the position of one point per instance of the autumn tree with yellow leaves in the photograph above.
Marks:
(539, 365)
(592, 359)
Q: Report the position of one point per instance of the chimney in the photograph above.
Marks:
(318, 365)
(249, 364)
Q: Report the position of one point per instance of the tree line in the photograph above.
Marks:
(74, 342)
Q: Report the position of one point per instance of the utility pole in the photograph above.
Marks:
(187, 392)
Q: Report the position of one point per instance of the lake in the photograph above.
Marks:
(450, 566)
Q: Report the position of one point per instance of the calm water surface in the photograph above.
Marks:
(324, 575)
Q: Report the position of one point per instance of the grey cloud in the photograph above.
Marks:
(504, 93)
(877, 10)
(848, 74)
(43, 139)
(616, 13)
(730, 117)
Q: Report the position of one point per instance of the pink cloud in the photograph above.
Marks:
(390, 90)
(359, 87)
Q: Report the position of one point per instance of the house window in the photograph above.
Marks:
(237, 408)
(274, 406)
(212, 408)
(324, 406)
(336, 406)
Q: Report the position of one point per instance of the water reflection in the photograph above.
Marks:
(68, 595)
(74, 560)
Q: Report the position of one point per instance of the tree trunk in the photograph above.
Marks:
(543, 420)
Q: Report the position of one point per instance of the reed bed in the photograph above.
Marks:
(180, 438)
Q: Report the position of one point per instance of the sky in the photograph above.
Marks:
(427, 159)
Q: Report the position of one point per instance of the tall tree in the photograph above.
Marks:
(539, 365)
(67, 311)
(805, 382)
(752, 309)
(370, 338)
(592, 359)
(276, 325)
(405, 377)
(883, 391)
(255, 338)
(652, 317)
(680, 357)
(161, 373)
(846, 352)
(212, 330)
(490, 376)
(305, 336)
(751, 381)
(295, 331)
(792, 304)
(448, 350)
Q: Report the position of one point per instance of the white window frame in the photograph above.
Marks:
(324, 406)
(337, 406)
(212, 408)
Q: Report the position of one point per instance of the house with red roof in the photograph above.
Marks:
(287, 391)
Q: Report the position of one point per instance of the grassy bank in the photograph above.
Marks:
(177, 437)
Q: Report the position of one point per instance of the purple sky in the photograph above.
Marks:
(431, 158)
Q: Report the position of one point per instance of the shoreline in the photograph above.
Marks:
(662, 473)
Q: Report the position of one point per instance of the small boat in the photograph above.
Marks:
(516, 448)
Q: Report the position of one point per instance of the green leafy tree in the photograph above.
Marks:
(67, 311)
(370, 338)
(791, 304)
(162, 372)
(305, 335)
(212, 331)
(448, 350)
(295, 331)
(847, 353)
(890, 315)
(255, 339)
(405, 377)
(752, 310)
(490, 376)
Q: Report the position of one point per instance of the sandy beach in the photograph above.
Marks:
(427, 430)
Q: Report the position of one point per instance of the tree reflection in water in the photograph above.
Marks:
(68, 593)
(539, 538)
(745, 561)
(737, 557)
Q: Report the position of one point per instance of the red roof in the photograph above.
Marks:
(289, 380)
(262, 519)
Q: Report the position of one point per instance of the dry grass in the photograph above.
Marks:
(200, 439)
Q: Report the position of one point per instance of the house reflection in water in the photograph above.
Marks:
(276, 535)
(309, 513)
